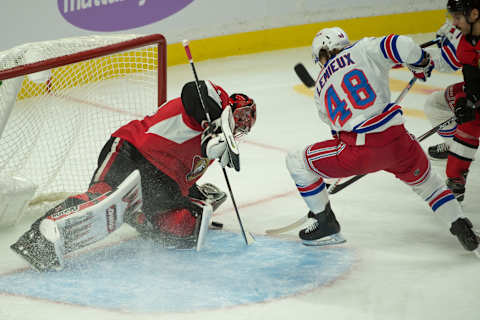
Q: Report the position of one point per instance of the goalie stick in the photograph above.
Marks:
(247, 236)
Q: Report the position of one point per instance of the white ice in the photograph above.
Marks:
(408, 265)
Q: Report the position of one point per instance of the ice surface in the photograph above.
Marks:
(408, 265)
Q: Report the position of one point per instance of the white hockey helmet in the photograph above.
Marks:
(328, 39)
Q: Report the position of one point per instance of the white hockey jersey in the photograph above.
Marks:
(445, 54)
(352, 90)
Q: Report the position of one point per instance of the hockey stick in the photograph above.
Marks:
(247, 236)
(292, 226)
(338, 187)
(309, 82)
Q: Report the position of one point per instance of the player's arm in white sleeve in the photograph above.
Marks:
(401, 50)
(445, 54)
(393, 50)
(397, 49)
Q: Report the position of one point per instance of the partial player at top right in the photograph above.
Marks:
(459, 48)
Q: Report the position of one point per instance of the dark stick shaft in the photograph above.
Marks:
(244, 234)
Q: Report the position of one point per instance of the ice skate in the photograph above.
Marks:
(325, 230)
(438, 151)
(462, 229)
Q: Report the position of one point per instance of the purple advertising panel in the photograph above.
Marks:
(117, 15)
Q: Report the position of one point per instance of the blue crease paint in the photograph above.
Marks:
(138, 276)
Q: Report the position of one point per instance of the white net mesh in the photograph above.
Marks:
(54, 123)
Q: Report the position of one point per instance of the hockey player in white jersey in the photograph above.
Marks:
(353, 98)
(459, 50)
(440, 104)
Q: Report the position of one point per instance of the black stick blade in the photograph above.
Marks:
(304, 76)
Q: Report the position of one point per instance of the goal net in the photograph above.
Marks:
(59, 102)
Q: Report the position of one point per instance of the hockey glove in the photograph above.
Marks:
(423, 69)
(214, 145)
(448, 33)
(464, 109)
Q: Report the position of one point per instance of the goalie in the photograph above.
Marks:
(146, 176)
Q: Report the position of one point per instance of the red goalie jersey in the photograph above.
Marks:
(170, 138)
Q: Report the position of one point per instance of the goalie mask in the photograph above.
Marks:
(244, 113)
(328, 39)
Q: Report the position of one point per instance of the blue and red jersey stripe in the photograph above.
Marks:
(388, 45)
(449, 54)
(390, 111)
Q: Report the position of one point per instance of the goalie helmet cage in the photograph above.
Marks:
(59, 102)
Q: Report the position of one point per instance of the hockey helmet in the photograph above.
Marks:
(463, 6)
(328, 39)
(244, 112)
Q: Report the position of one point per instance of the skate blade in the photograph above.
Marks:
(327, 241)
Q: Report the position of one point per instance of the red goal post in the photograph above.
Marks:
(59, 102)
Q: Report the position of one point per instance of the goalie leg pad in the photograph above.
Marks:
(69, 228)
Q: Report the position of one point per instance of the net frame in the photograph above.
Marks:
(17, 72)
(29, 68)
